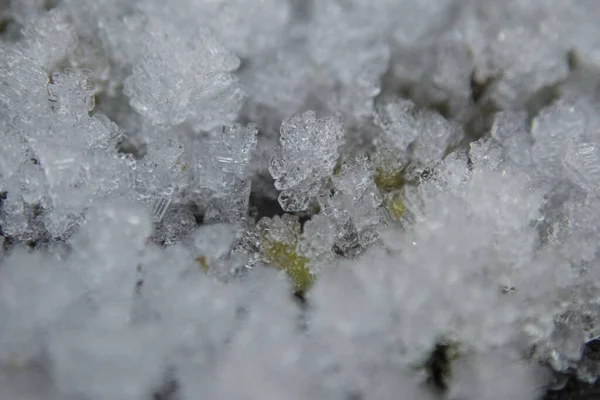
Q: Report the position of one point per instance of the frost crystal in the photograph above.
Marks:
(215, 241)
(396, 120)
(50, 39)
(253, 26)
(349, 86)
(306, 155)
(355, 207)
(404, 124)
(220, 170)
(247, 27)
(280, 80)
(565, 141)
(583, 164)
(174, 223)
(511, 130)
(509, 53)
(184, 79)
(318, 237)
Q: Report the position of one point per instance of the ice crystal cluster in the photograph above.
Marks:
(294, 199)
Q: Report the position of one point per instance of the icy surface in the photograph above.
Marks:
(290, 199)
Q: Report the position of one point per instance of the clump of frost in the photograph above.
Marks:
(349, 87)
(306, 156)
(427, 132)
(181, 78)
(355, 207)
(220, 171)
(435, 235)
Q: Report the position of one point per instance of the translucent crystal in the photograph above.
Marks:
(582, 162)
(194, 81)
(396, 120)
(307, 153)
(23, 82)
(231, 150)
(356, 201)
(553, 130)
(15, 218)
(511, 129)
(131, 265)
(176, 224)
(404, 124)
(350, 71)
(436, 135)
(215, 241)
(161, 205)
(232, 207)
(570, 227)
(161, 175)
(214, 247)
(280, 80)
(486, 154)
(13, 152)
(436, 65)
(50, 38)
(220, 171)
(447, 78)
(318, 236)
(85, 165)
(72, 94)
(247, 27)
(213, 168)
(74, 153)
(521, 55)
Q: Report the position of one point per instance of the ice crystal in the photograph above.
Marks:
(298, 199)
(306, 156)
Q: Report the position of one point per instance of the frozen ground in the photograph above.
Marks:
(293, 199)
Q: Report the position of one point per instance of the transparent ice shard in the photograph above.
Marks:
(582, 163)
(307, 154)
(161, 205)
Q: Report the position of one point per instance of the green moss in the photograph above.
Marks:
(388, 180)
(395, 207)
(203, 264)
(283, 256)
